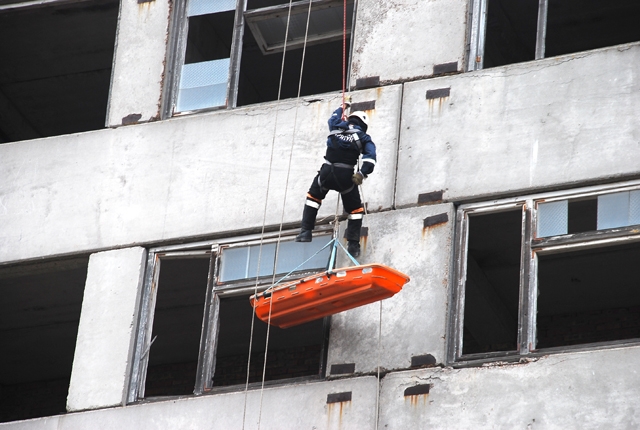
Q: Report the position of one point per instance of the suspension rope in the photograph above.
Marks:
(344, 57)
(275, 263)
(378, 375)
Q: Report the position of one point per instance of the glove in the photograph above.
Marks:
(357, 178)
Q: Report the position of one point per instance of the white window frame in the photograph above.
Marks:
(531, 247)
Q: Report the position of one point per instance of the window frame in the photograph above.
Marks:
(531, 248)
(477, 33)
(214, 292)
(176, 49)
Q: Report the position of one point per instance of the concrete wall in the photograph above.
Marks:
(548, 123)
(589, 390)
(106, 334)
(138, 65)
(414, 320)
(300, 406)
(425, 33)
(185, 177)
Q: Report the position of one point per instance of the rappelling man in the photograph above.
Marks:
(347, 139)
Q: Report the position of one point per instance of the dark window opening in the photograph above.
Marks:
(177, 323)
(209, 37)
(293, 352)
(583, 215)
(213, 74)
(580, 25)
(55, 71)
(493, 282)
(589, 296)
(510, 32)
(260, 74)
(39, 317)
(513, 30)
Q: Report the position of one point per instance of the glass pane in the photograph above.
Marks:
(553, 218)
(202, 7)
(613, 210)
(292, 254)
(634, 207)
(235, 263)
(266, 260)
(203, 85)
(242, 262)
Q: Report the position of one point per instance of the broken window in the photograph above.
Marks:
(223, 55)
(55, 71)
(196, 319)
(39, 318)
(547, 272)
(506, 32)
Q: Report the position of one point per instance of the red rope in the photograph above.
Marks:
(344, 58)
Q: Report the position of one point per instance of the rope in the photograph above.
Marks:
(264, 221)
(275, 263)
(344, 57)
(379, 383)
(286, 189)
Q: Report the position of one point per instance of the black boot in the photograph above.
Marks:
(304, 236)
(353, 248)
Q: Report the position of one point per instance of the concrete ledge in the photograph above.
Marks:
(301, 406)
(587, 390)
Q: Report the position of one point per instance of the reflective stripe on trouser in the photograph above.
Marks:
(354, 225)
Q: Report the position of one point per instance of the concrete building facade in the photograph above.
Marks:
(507, 187)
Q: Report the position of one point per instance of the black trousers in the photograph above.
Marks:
(338, 179)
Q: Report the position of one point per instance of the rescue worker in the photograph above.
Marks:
(346, 141)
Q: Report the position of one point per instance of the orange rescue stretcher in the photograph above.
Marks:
(327, 293)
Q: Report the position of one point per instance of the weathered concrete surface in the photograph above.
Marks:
(302, 406)
(414, 320)
(106, 334)
(557, 121)
(138, 67)
(188, 176)
(590, 390)
(425, 33)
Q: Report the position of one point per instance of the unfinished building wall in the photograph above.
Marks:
(410, 39)
(555, 122)
(552, 124)
(186, 177)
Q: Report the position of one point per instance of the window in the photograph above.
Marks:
(222, 55)
(547, 272)
(39, 316)
(55, 70)
(505, 32)
(195, 321)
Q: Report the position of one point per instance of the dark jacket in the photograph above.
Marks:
(343, 147)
